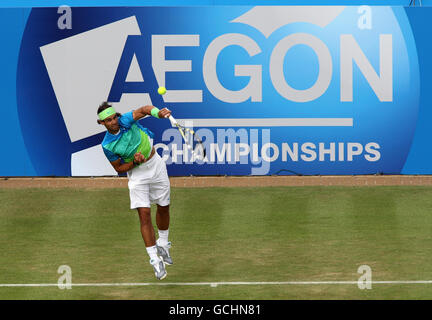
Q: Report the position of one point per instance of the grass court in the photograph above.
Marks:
(230, 235)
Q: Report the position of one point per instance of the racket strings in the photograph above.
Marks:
(193, 141)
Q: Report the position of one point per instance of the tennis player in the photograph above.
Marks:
(129, 148)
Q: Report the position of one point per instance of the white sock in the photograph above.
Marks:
(152, 252)
(163, 237)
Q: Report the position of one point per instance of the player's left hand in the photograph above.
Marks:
(164, 113)
(139, 157)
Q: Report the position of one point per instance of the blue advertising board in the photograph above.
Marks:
(329, 90)
(179, 3)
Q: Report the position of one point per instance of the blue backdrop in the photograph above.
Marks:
(345, 94)
(105, 3)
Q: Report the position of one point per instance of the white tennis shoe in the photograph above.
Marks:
(163, 252)
(159, 268)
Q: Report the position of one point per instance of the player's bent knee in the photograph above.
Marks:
(163, 206)
(163, 209)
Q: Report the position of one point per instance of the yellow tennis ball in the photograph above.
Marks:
(162, 90)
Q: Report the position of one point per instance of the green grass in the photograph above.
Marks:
(221, 234)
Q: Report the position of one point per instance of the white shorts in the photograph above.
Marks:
(149, 183)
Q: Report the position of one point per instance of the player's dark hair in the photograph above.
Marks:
(105, 105)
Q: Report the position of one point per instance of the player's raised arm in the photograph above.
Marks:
(142, 112)
(150, 111)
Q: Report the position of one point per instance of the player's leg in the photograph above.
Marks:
(159, 191)
(162, 223)
(162, 217)
(148, 235)
(146, 226)
(140, 200)
(163, 244)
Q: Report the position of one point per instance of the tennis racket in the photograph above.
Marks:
(192, 140)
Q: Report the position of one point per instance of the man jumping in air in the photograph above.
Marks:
(129, 148)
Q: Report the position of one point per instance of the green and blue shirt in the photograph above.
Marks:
(131, 138)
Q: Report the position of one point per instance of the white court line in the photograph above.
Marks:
(212, 284)
(270, 122)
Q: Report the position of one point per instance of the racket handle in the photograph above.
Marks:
(172, 120)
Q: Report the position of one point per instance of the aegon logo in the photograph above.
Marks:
(120, 71)
(351, 54)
